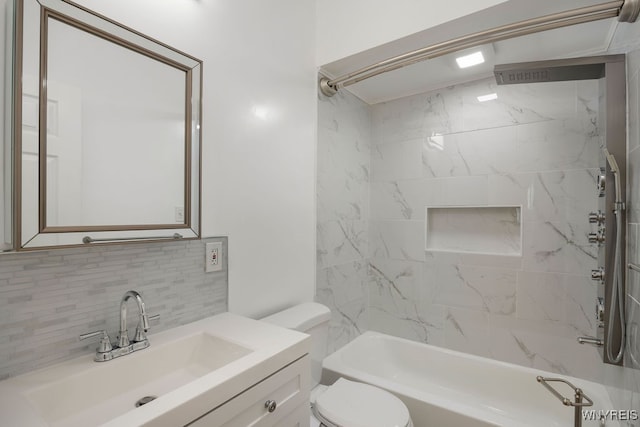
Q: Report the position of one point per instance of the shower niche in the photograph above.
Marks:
(486, 230)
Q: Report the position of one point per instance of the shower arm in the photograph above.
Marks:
(625, 10)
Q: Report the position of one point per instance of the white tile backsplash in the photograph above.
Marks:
(51, 297)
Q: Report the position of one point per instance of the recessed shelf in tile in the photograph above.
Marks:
(492, 230)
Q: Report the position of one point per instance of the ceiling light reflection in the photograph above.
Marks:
(470, 60)
(261, 112)
(488, 97)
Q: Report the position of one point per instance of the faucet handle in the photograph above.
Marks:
(105, 341)
(141, 334)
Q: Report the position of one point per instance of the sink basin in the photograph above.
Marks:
(95, 395)
(185, 373)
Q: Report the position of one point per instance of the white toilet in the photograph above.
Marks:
(345, 403)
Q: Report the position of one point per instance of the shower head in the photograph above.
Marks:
(611, 160)
(548, 71)
(613, 165)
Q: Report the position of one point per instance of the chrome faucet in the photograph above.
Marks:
(107, 351)
(143, 325)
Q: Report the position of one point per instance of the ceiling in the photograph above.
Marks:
(579, 40)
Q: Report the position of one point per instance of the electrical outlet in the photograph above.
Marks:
(179, 214)
(213, 257)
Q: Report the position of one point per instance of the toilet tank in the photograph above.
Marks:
(313, 319)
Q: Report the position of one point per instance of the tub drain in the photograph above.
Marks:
(145, 400)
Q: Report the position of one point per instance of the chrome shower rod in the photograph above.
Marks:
(625, 10)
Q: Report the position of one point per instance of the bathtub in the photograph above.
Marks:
(445, 388)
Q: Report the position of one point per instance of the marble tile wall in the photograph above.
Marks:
(344, 135)
(48, 298)
(536, 146)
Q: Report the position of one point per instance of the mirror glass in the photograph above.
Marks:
(120, 156)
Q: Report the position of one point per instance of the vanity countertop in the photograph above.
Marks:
(75, 391)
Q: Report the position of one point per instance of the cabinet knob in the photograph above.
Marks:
(270, 405)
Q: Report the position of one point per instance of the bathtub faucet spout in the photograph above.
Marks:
(591, 340)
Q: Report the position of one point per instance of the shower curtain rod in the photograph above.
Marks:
(625, 10)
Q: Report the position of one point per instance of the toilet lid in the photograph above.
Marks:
(352, 404)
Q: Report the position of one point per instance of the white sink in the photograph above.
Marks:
(189, 370)
(95, 395)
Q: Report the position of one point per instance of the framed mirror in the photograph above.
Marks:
(107, 126)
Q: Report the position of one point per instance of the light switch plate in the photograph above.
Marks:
(213, 257)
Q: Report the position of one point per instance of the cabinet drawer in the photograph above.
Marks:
(289, 388)
(300, 417)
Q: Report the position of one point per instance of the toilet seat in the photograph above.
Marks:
(353, 404)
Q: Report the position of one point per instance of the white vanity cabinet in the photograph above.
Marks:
(286, 389)
(215, 372)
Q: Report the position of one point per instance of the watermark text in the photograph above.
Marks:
(610, 414)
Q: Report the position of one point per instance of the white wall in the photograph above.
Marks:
(348, 27)
(259, 173)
